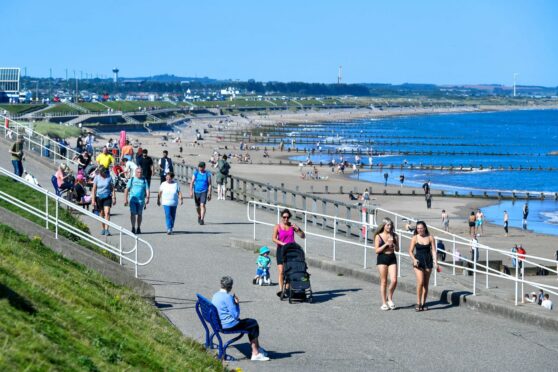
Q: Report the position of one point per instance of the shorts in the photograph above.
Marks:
(136, 207)
(103, 202)
(424, 261)
(479, 222)
(260, 271)
(386, 259)
(200, 198)
(471, 224)
(279, 254)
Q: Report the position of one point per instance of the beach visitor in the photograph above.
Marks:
(104, 159)
(83, 160)
(428, 198)
(127, 151)
(423, 254)
(200, 190)
(283, 233)
(546, 303)
(165, 166)
(137, 196)
(386, 176)
(79, 144)
(479, 222)
(17, 156)
(168, 196)
(262, 271)
(223, 168)
(525, 215)
(104, 197)
(445, 220)
(146, 164)
(441, 250)
(475, 248)
(472, 223)
(228, 307)
(89, 141)
(426, 187)
(80, 192)
(64, 177)
(401, 179)
(514, 256)
(130, 169)
(385, 244)
(506, 222)
(521, 252)
(366, 197)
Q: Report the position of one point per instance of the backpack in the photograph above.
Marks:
(224, 170)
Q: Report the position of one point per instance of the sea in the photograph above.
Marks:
(522, 138)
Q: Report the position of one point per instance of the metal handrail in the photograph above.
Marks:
(478, 266)
(29, 134)
(51, 217)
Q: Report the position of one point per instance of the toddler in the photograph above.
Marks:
(264, 262)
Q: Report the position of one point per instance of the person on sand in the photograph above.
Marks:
(479, 222)
(472, 223)
(506, 222)
(422, 251)
(228, 308)
(385, 244)
(445, 220)
(283, 233)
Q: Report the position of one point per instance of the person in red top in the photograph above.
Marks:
(520, 257)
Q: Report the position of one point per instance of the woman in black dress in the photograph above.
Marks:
(423, 255)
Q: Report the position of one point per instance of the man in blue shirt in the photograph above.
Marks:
(200, 190)
(137, 195)
(229, 312)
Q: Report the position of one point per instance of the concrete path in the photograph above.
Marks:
(343, 329)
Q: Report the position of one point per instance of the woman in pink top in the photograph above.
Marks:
(283, 234)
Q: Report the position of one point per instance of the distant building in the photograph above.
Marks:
(9, 84)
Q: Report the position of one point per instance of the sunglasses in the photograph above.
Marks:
(286, 216)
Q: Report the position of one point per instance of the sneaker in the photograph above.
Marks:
(262, 351)
(391, 305)
(384, 307)
(138, 231)
(107, 233)
(255, 280)
(168, 231)
(133, 230)
(201, 222)
(103, 232)
(260, 358)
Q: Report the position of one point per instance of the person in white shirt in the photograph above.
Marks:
(547, 304)
(130, 169)
(168, 197)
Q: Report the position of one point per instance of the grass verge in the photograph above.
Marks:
(56, 130)
(57, 315)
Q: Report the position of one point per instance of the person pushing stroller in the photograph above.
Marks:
(262, 272)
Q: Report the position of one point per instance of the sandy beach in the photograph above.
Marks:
(412, 206)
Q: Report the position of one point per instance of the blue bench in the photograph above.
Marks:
(207, 312)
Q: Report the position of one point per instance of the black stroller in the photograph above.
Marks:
(296, 279)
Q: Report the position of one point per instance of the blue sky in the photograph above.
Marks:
(441, 42)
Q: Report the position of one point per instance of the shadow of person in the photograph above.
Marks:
(324, 296)
(246, 350)
(16, 301)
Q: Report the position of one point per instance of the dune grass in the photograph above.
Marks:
(21, 108)
(56, 130)
(58, 315)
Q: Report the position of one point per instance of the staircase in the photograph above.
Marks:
(129, 119)
(80, 119)
(78, 107)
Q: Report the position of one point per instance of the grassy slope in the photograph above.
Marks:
(21, 108)
(56, 130)
(56, 314)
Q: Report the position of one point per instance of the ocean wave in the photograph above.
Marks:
(550, 217)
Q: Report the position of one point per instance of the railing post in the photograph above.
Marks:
(487, 269)
(516, 278)
(305, 228)
(365, 245)
(254, 220)
(522, 282)
(334, 235)
(475, 250)
(120, 246)
(315, 210)
(348, 217)
(453, 255)
(397, 256)
(136, 258)
(46, 209)
(245, 197)
(56, 221)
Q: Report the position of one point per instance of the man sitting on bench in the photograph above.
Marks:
(229, 312)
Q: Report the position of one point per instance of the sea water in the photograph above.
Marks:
(523, 138)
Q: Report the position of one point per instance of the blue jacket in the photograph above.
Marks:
(229, 311)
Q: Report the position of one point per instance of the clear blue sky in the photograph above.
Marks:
(416, 41)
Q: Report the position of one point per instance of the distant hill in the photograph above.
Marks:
(166, 78)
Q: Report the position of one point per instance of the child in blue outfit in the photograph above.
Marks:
(262, 272)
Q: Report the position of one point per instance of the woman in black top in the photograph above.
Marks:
(385, 244)
(423, 255)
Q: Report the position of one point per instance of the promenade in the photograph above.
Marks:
(343, 329)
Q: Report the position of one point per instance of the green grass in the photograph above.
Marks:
(58, 315)
(93, 106)
(20, 108)
(56, 130)
(61, 108)
(127, 106)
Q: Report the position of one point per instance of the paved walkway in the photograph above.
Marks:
(343, 329)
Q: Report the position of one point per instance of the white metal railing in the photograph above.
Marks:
(36, 141)
(52, 218)
(479, 266)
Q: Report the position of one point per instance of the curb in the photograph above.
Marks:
(455, 296)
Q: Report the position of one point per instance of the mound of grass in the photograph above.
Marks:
(93, 106)
(61, 108)
(58, 315)
(56, 130)
(23, 108)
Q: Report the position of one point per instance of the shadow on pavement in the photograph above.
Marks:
(162, 282)
(183, 232)
(246, 350)
(173, 303)
(324, 296)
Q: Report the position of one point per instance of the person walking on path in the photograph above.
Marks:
(168, 196)
(228, 307)
(104, 159)
(137, 196)
(200, 190)
(145, 162)
(127, 151)
(104, 197)
(223, 168)
(283, 234)
(17, 156)
(445, 220)
(422, 251)
(525, 215)
(385, 244)
(165, 166)
(480, 222)
(506, 222)
(472, 223)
